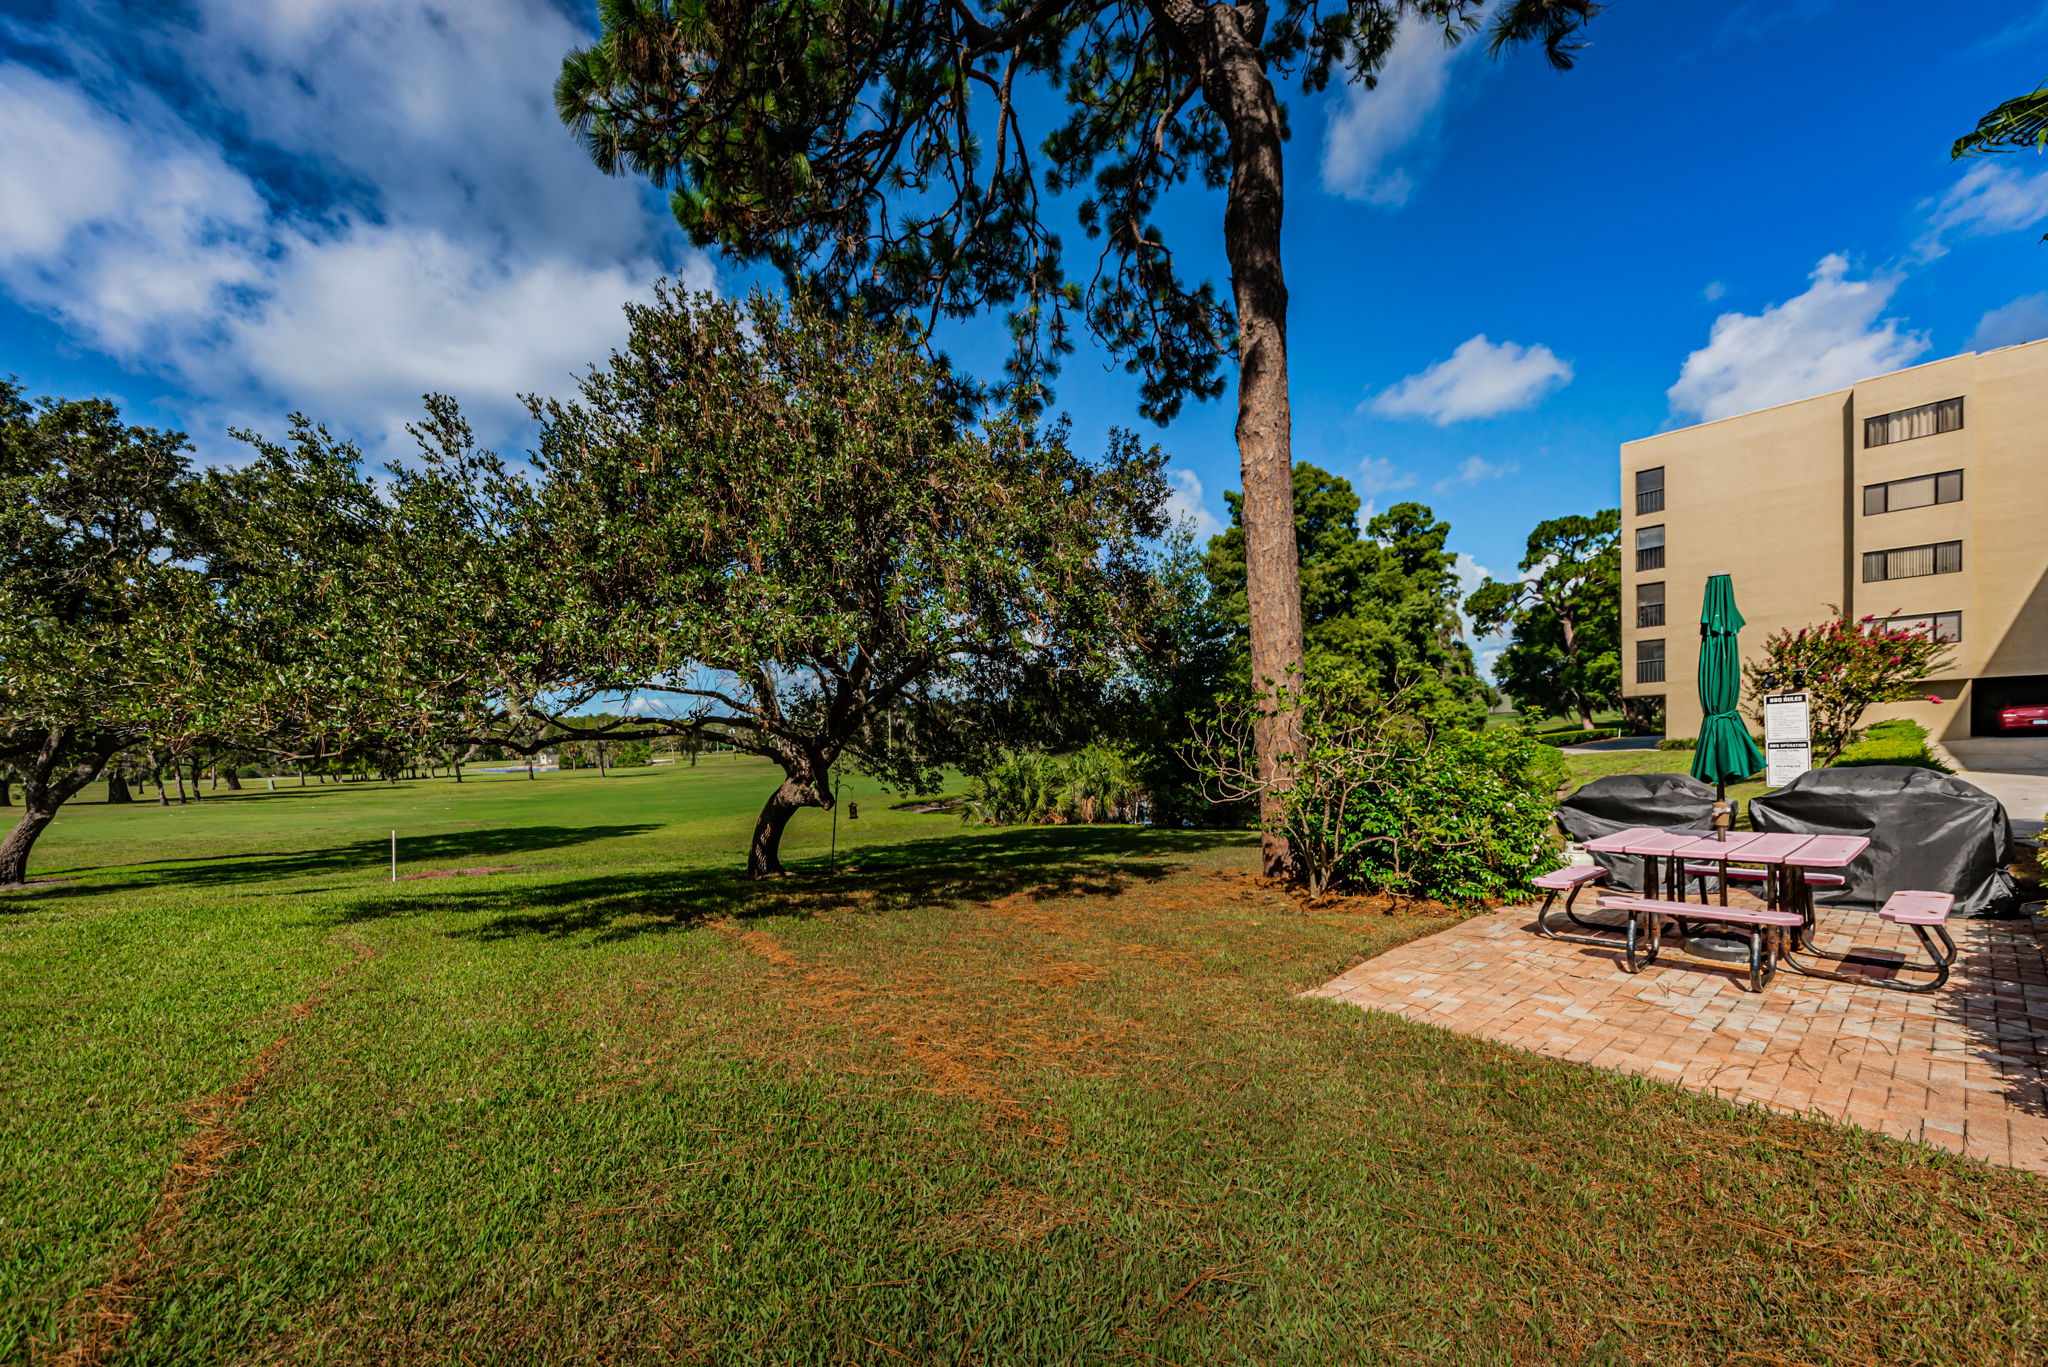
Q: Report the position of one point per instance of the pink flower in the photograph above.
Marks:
(1932, 698)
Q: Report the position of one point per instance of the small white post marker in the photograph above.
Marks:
(394, 856)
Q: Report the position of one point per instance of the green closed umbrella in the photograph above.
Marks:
(1725, 750)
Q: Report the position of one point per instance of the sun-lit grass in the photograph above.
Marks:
(1040, 1095)
(1586, 767)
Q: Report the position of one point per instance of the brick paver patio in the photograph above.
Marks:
(1963, 1068)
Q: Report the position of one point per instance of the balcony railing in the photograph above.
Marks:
(1649, 671)
(1651, 559)
(1650, 615)
(1649, 501)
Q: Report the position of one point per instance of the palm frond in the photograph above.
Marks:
(2014, 126)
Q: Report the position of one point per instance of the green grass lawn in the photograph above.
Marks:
(1587, 767)
(1005, 1096)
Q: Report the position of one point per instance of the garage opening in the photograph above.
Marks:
(2013, 705)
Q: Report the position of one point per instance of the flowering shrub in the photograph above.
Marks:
(1850, 667)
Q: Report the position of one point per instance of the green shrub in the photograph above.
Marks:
(1382, 800)
(1679, 743)
(1094, 784)
(1466, 819)
(1898, 741)
(1561, 738)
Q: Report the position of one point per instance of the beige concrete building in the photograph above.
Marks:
(1922, 494)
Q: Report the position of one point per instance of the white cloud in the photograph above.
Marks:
(2025, 319)
(1185, 505)
(1473, 470)
(433, 226)
(1714, 290)
(1990, 198)
(1368, 129)
(1378, 475)
(1479, 380)
(1826, 338)
(164, 231)
(1471, 574)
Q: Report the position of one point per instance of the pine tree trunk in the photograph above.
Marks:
(1236, 84)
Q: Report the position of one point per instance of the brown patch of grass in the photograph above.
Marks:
(476, 872)
(1353, 903)
(1022, 909)
(116, 1303)
(952, 1046)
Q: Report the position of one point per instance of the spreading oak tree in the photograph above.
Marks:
(106, 626)
(789, 529)
(879, 150)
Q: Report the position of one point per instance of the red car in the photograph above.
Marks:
(2027, 718)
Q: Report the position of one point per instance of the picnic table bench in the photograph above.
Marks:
(1764, 928)
(1789, 866)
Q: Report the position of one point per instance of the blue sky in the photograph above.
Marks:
(220, 213)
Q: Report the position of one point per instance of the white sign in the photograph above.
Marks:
(1788, 741)
(1785, 719)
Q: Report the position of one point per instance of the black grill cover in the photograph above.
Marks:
(1606, 805)
(1928, 832)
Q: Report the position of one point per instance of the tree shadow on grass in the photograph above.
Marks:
(936, 871)
(487, 844)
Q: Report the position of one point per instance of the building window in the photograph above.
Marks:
(1908, 423)
(1649, 491)
(1649, 662)
(1911, 562)
(1650, 548)
(1920, 492)
(1941, 626)
(1650, 605)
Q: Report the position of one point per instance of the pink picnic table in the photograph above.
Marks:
(1652, 844)
(1779, 852)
